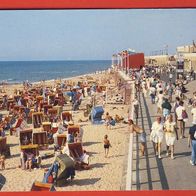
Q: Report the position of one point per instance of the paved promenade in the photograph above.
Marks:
(151, 173)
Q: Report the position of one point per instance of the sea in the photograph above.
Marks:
(15, 72)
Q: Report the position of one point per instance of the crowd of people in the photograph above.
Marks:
(171, 102)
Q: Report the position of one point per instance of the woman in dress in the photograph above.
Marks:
(156, 135)
(160, 98)
(170, 135)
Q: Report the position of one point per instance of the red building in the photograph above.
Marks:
(128, 60)
(135, 61)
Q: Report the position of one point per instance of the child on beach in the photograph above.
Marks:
(107, 145)
(2, 162)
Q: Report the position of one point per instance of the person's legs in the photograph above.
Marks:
(175, 118)
(30, 165)
(156, 148)
(183, 129)
(3, 164)
(180, 128)
(142, 148)
(151, 97)
(193, 153)
(159, 149)
(172, 151)
(107, 152)
(167, 147)
(27, 164)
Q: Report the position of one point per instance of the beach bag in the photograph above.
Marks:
(184, 116)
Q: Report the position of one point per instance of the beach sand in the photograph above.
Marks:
(105, 173)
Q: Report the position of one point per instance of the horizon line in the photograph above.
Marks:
(55, 60)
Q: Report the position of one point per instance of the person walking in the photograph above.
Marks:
(107, 145)
(170, 91)
(157, 135)
(166, 108)
(170, 137)
(152, 92)
(181, 118)
(160, 98)
(192, 143)
(140, 132)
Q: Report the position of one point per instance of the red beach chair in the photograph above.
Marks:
(39, 186)
(61, 139)
(73, 129)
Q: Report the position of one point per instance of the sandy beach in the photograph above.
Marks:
(104, 173)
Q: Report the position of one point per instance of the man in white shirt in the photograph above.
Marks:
(180, 121)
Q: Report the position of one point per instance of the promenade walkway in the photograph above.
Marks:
(151, 173)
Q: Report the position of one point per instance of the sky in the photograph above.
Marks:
(92, 34)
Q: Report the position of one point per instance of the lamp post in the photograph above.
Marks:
(166, 49)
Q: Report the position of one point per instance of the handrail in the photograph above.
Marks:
(130, 153)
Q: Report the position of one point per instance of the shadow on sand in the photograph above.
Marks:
(2, 181)
(83, 182)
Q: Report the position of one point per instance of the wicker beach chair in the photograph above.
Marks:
(47, 126)
(61, 140)
(31, 148)
(46, 107)
(53, 112)
(40, 138)
(25, 137)
(54, 128)
(72, 129)
(10, 104)
(79, 155)
(51, 98)
(37, 119)
(66, 117)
